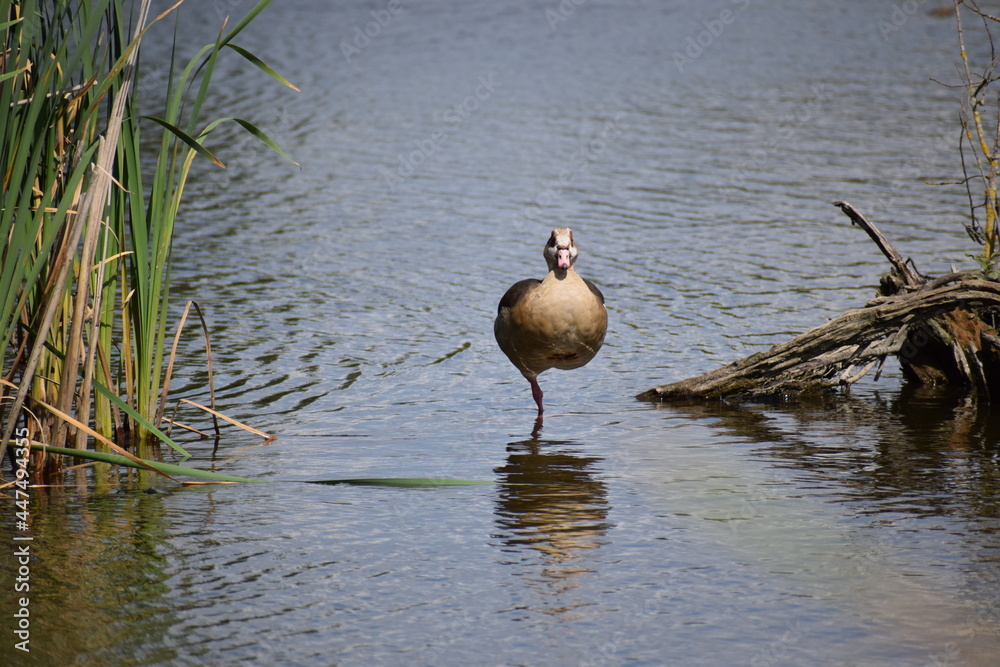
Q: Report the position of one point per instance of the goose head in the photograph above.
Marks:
(560, 252)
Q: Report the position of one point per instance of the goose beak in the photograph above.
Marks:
(563, 258)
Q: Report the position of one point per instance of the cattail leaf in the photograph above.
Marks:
(176, 470)
(262, 66)
(187, 139)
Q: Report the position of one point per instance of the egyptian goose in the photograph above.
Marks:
(558, 322)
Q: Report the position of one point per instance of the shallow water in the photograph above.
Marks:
(351, 302)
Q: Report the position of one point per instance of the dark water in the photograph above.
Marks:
(695, 149)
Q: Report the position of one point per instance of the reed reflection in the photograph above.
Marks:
(99, 577)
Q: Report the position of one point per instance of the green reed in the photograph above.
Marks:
(86, 229)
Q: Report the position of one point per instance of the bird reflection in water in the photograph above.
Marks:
(551, 504)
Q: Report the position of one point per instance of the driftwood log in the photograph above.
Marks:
(942, 330)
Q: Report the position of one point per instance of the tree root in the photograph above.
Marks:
(942, 330)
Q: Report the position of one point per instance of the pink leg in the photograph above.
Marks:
(536, 393)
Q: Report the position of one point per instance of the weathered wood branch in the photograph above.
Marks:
(841, 351)
(933, 327)
(909, 276)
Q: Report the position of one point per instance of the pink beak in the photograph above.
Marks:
(563, 258)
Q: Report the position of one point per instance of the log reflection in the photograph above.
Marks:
(935, 450)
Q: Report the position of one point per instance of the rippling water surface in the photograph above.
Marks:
(694, 148)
